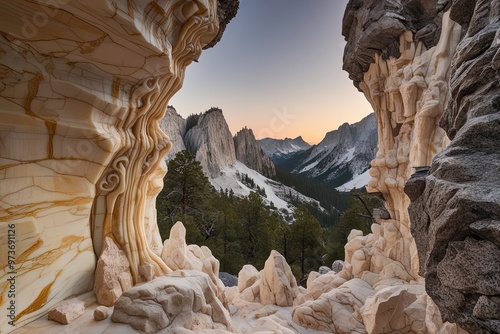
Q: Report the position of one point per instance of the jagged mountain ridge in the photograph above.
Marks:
(342, 156)
(280, 150)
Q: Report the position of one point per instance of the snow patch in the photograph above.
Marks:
(358, 182)
(276, 192)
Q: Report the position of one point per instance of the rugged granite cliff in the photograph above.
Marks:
(456, 209)
(208, 137)
(251, 154)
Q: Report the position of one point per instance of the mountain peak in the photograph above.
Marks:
(251, 154)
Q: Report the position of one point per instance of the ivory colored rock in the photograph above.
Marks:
(277, 285)
(186, 299)
(400, 308)
(67, 311)
(83, 86)
(247, 276)
(179, 256)
(112, 275)
(336, 311)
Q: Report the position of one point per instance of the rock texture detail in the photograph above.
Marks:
(249, 152)
(83, 88)
(175, 127)
(182, 299)
(456, 209)
(67, 311)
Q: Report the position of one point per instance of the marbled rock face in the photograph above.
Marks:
(82, 89)
(209, 139)
(457, 207)
(249, 152)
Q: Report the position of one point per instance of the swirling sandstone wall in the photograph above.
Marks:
(83, 85)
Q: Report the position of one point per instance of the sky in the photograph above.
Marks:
(277, 70)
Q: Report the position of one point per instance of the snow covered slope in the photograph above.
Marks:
(275, 192)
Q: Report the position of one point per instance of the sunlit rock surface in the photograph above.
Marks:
(456, 208)
(208, 137)
(83, 85)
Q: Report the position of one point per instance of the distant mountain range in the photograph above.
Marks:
(280, 150)
(341, 159)
(229, 162)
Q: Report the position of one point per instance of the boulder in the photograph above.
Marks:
(67, 311)
(277, 285)
(337, 310)
(186, 299)
(101, 313)
(112, 276)
(247, 276)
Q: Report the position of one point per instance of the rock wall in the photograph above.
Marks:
(251, 154)
(399, 54)
(211, 141)
(456, 209)
(83, 87)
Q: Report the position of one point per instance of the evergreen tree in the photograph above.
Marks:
(306, 240)
(185, 196)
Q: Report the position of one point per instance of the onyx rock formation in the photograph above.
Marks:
(456, 208)
(249, 152)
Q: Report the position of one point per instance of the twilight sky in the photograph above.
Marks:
(277, 70)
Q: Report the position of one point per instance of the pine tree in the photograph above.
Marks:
(306, 239)
(185, 196)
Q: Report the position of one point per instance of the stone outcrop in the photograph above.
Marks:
(374, 27)
(82, 89)
(183, 299)
(209, 139)
(456, 209)
(249, 152)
